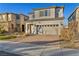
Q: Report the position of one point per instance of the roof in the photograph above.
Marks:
(49, 7)
(30, 12)
(50, 19)
(23, 15)
(73, 12)
(13, 13)
(7, 13)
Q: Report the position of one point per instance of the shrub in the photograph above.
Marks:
(2, 35)
(2, 30)
(7, 37)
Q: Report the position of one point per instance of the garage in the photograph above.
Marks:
(47, 30)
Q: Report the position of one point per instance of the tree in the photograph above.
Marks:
(1, 28)
(69, 35)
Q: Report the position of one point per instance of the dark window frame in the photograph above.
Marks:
(17, 17)
(46, 12)
(57, 12)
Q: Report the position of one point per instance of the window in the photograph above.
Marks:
(41, 13)
(45, 25)
(57, 25)
(46, 14)
(49, 12)
(57, 12)
(50, 25)
(61, 12)
(62, 24)
(25, 18)
(54, 25)
(17, 17)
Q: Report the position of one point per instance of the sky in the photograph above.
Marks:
(26, 8)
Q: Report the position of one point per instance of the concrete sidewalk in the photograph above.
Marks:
(35, 38)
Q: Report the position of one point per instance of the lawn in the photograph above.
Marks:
(6, 37)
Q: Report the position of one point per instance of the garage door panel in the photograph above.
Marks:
(50, 30)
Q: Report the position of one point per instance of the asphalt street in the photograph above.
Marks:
(9, 48)
(2, 53)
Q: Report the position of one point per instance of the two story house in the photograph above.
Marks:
(12, 22)
(45, 21)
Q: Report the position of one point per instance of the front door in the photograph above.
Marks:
(23, 28)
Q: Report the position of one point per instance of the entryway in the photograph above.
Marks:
(23, 29)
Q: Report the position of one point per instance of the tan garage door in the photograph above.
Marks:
(50, 30)
(47, 30)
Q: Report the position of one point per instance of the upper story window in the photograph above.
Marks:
(25, 18)
(17, 17)
(41, 13)
(57, 12)
(46, 14)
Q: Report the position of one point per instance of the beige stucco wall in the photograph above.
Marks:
(77, 18)
(47, 30)
(22, 22)
(10, 19)
(3, 17)
(50, 12)
(46, 22)
(30, 16)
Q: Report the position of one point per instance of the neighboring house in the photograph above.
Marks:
(73, 20)
(13, 22)
(45, 21)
